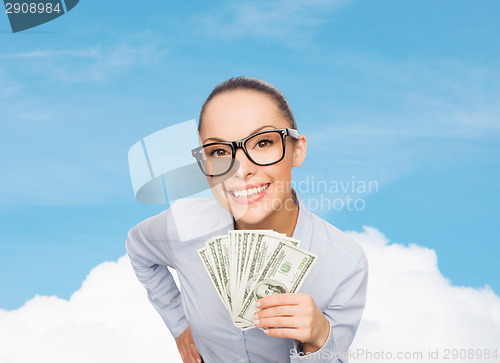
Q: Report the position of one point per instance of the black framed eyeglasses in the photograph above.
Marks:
(263, 148)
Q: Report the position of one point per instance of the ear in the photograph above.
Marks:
(299, 152)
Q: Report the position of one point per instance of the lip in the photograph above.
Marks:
(254, 198)
(246, 186)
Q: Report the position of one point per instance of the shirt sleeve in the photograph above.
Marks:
(344, 314)
(149, 263)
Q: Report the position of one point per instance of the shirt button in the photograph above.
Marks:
(242, 360)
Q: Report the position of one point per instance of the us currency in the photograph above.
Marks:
(209, 266)
(243, 245)
(217, 248)
(243, 258)
(235, 252)
(235, 263)
(284, 272)
(224, 263)
(264, 247)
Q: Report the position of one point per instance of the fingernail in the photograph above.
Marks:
(266, 331)
(198, 360)
(257, 304)
(255, 316)
(256, 322)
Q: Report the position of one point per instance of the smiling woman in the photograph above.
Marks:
(239, 111)
(249, 147)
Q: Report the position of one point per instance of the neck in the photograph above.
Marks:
(282, 221)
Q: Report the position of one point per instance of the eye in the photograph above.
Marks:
(263, 143)
(217, 153)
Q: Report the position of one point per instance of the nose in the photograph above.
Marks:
(246, 166)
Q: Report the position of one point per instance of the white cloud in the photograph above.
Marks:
(96, 63)
(108, 320)
(411, 308)
(93, 53)
(286, 21)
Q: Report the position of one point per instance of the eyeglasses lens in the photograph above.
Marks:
(263, 149)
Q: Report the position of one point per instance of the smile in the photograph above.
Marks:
(248, 193)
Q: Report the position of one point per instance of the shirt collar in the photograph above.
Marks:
(303, 228)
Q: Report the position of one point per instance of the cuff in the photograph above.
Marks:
(173, 315)
(326, 354)
(179, 328)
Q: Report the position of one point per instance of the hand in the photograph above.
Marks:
(186, 347)
(298, 315)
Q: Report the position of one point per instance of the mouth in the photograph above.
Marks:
(249, 191)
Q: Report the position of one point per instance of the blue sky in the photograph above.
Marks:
(401, 92)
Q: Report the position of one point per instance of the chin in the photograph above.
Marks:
(252, 217)
(251, 211)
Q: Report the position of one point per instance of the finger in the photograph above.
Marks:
(187, 348)
(279, 299)
(192, 358)
(195, 352)
(285, 333)
(182, 352)
(282, 310)
(188, 355)
(278, 322)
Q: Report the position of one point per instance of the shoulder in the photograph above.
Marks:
(322, 236)
(341, 266)
(176, 223)
(328, 240)
(338, 239)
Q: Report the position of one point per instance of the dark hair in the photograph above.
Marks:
(253, 84)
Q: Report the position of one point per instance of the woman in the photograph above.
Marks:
(239, 122)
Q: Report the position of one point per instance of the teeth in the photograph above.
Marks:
(249, 192)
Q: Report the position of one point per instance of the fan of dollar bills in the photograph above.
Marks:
(245, 266)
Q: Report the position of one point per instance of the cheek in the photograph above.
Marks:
(218, 193)
(281, 175)
(236, 210)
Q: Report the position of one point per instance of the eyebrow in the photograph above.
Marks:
(216, 139)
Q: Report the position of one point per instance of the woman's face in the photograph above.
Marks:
(235, 115)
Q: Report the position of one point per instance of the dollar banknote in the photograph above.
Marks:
(284, 272)
(245, 265)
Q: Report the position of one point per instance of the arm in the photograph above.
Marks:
(346, 309)
(149, 263)
(154, 275)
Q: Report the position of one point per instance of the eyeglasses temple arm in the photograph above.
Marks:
(293, 133)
